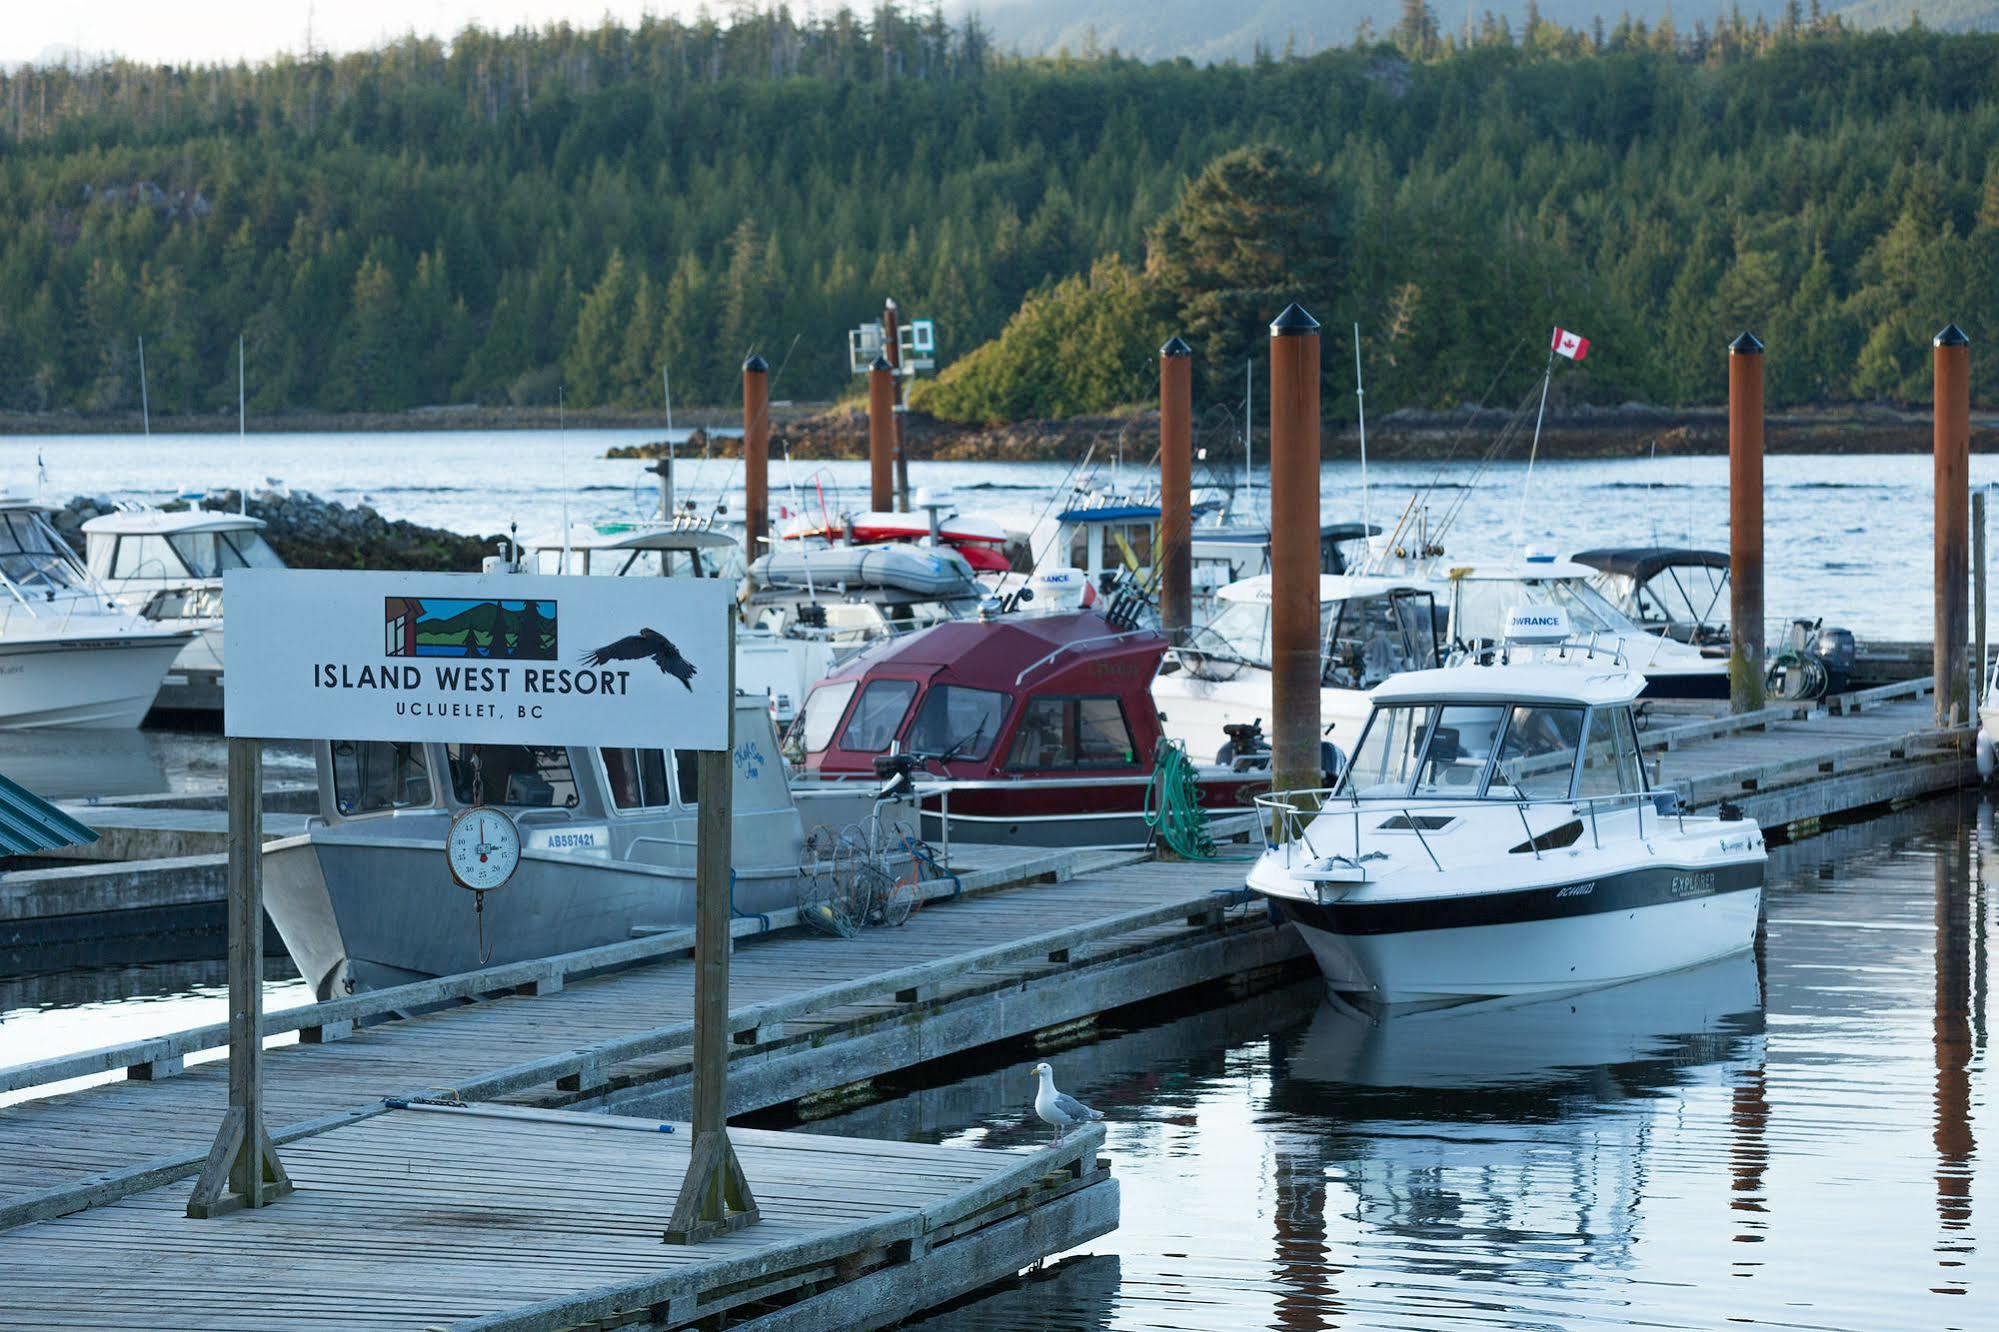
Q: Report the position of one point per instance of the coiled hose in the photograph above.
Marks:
(1173, 805)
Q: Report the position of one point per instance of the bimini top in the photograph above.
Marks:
(1575, 678)
(165, 522)
(1332, 587)
(1641, 562)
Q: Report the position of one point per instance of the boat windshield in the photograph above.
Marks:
(33, 558)
(1441, 751)
(1683, 594)
(1483, 604)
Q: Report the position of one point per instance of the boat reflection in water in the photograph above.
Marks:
(1503, 1138)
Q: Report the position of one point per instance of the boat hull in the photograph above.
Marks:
(96, 683)
(1551, 940)
(363, 913)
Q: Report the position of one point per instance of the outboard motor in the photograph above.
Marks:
(1332, 763)
(1247, 746)
(1836, 652)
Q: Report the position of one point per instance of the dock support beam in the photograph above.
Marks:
(756, 457)
(243, 1169)
(1745, 524)
(1176, 486)
(1951, 439)
(714, 1197)
(1294, 551)
(881, 435)
(1978, 644)
(892, 348)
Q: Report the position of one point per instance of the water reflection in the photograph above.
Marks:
(1787, 1137)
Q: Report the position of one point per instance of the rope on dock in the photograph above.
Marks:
(1173, 809)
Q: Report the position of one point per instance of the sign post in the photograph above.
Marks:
(480, 659)
(243, 1169)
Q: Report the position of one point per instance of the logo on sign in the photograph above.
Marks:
(453, 627)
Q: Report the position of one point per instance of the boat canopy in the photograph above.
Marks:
(1580, 679)
(1641, 562)
(151, 522)
(173, 545)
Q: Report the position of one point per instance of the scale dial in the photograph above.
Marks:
(483, 847)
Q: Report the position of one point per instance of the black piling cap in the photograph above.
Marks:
(1293, 323)
(756, 365)
(1746, 345)
(881, 363)
(1952, 336)
(1175, 347)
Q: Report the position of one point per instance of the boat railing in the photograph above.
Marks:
(1078, 643)
(1286, 819)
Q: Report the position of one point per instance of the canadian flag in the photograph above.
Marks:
(1572, 345)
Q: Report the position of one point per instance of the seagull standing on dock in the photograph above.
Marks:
(1059, 1111)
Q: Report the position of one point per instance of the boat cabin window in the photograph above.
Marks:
(1610, 759)
(637, 778)
(959, 722)
(1537, 761)
(1242, 628)
(526, 776)
(878, 715)
(824, 707)
(687, 775)
(370, 776)
(30, 557)
(1372, 638)
(1461, 741)
(146, 557)
(1384, 762)
(1071, 733)
(1484, 602)
(208, 554)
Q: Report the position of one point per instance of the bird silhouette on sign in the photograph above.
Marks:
(646, 643)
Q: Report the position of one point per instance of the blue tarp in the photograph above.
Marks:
(30, 824)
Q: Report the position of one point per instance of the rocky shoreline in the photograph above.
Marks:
(312, 533)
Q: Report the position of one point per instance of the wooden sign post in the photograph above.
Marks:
(714, 1197)
(243, 1169)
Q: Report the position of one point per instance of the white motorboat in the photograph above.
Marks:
(1494, 835)
(166, 567)
(1480, 593)
(1371, 627)
(70, 655)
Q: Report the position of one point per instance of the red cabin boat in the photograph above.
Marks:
(1032, 729)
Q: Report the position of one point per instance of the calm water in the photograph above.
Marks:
(1787, 1142)
(1847, 537)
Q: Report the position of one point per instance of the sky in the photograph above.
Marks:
(227, 30)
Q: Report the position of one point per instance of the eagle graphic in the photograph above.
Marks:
(646, 643)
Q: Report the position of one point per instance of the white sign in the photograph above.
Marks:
(477, 658)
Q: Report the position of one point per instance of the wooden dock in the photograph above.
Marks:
(1024, 945)
(423, 1217)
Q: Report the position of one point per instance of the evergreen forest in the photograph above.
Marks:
(504, 217)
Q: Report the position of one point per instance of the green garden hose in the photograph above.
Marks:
(1173, 806)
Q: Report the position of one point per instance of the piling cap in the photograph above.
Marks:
(756, 365)
(1746, 345)
(1952, 336)
(1175, 347)
(881, 363)
(1293, 323)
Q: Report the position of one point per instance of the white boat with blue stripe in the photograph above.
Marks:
(1494, 834)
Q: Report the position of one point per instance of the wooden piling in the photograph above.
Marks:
(1951, 440)
(1294, 551)
(881, 435)
(1745, 523)
(892, 348)
(756, 456)
(1176, 483)
(1978, 641)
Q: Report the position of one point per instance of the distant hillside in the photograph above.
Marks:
(1205, 31)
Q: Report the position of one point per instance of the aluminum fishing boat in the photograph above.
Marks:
(364, 900)
(1026, 728)
(1494, 835)
(70, 655)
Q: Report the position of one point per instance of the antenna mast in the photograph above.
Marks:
(1360, 406)
(145, 406)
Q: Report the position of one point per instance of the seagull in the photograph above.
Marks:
(646, 643)
(1057, 1110)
